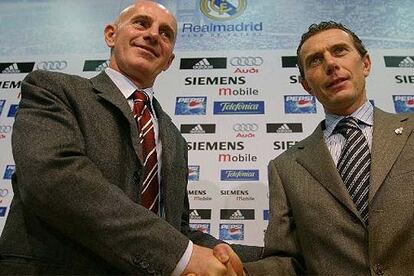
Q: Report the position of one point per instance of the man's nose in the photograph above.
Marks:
(331, 64)
(152, 34)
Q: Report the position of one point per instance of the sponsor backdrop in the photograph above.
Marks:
(233, 89)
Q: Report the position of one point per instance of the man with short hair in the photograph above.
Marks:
(101, 171)
(341, 200)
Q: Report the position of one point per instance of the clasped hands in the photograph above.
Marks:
(221, 260)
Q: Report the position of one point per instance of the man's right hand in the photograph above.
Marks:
(203, 262)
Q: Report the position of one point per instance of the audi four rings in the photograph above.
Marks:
(245, 127)
(52, 65)
(246, 61)
(5, 129)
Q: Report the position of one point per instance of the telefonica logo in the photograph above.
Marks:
(246, 107)
(222, 10)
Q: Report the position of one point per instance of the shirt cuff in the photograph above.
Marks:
(182, 264)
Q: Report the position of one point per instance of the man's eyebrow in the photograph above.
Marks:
(141, 16)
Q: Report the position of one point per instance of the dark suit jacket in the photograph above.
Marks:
(77, 185)
(314, 227)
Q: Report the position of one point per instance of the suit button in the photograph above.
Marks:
(378, 269)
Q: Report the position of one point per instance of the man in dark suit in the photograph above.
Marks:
(80, 169)
(341, 200)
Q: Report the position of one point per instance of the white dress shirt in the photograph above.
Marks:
(336, 141)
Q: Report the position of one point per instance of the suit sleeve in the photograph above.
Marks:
(281, 254)
(59, 182)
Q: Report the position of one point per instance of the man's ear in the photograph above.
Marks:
(306, 86)
(366, 61)
(110, 34)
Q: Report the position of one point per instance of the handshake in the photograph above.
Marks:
(221, 260)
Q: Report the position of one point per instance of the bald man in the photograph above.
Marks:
(81, 170)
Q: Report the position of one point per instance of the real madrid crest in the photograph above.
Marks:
(222, 10)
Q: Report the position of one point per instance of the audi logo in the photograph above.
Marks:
(246, 61)
(245, 127)
(5, 129)
(4, 192)
(55, 65)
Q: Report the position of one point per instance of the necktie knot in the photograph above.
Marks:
(140, 96)
(141, 99)
(346, 125)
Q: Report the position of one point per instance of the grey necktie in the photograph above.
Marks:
(355, 163)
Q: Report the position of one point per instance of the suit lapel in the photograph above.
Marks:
(386, 146)
(108, 91)
(315, 157)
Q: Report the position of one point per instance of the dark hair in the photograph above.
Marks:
(323, 26)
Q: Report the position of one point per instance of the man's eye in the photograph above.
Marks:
(166, 34)
(339, 50)
(315, 61)
(139, 23)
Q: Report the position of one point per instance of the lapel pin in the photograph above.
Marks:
(399, 130)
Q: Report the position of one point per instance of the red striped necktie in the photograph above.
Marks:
(150, 187)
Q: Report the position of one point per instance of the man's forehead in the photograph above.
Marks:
(326, 39)
(146, 8)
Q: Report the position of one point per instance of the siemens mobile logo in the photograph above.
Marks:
(16, 67)
(95, 65)
(203, 63)
(191, 106)
(239, 175)
(242, 107)
(403, 103)
(224, 80)
(399, 61)
(296, 104)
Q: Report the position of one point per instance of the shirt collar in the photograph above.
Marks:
(125, 85)
(364, 114)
